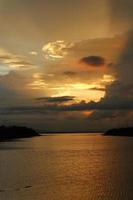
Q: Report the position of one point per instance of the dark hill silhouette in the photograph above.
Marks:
(13, 132)
(120, 132)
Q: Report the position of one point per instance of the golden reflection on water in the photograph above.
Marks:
(72, 166)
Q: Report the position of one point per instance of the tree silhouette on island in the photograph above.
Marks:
(14, 132)
(120, 132)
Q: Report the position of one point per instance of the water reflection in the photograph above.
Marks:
(68, 167)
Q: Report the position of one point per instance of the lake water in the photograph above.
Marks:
(67, 167)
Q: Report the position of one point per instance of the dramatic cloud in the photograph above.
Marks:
(15, 84)
(105, 104)
(56, 50)
(67, 80)
(94, 61)
(104, 114)
(74, 72)
(62, 99)
(120, 93)
(10, 62)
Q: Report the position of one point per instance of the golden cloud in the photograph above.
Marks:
(56, 50)
(11, 62)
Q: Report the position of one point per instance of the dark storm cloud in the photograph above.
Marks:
(95, 61)
(104, 114)
(120, 92)
(119, 95)
(61, 99)
(120, 89)
(106, 104)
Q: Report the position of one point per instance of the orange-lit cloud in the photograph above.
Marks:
(56, 50)
(11, 62)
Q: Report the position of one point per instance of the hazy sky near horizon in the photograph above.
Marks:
(66, 65)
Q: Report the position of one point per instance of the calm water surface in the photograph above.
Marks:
(67, 167)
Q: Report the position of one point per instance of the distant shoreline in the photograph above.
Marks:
(16, 132)
(128, 132)
(63, 132)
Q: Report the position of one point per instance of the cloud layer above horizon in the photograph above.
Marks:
(72, 74)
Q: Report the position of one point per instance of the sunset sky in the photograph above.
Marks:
(66, 65)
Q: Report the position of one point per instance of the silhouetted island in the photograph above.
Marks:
(14, 132)
(120, 132)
